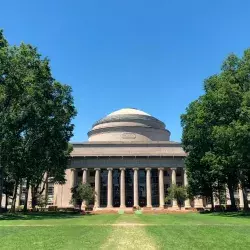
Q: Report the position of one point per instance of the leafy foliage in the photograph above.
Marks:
(179, 193)
(36, 112)
(216, 131)
(81, 192)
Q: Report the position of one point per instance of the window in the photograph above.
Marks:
(51, 190)
(178, 172)
(166, 173)
(91, 173)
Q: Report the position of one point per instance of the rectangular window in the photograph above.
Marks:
(51, 190)
(178, 172)
(166, 173)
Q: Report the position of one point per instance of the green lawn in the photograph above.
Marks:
(169, 231)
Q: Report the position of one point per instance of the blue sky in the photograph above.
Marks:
(152, 55)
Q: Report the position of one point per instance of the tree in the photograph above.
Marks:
(35, 119)
(216, 130)
(4, 60)
(8, 186)
(197, 141)
(82, 192)
(179, 193)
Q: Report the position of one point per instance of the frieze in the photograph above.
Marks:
(126, 163)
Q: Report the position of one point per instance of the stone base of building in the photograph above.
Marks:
(144, 209)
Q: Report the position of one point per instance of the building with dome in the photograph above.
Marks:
(128, 159)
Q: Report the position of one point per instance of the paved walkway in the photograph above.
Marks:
(128, 235)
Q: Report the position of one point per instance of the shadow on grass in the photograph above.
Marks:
(41, 216)
(240, 214)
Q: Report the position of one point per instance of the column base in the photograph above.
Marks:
(122, 206)
(83, 207)
(175, 207)
(110, 206)
(96, 206)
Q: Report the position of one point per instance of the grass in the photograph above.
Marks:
(122, 231)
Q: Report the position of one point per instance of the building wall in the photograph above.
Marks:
(62, 193)
(138, 134)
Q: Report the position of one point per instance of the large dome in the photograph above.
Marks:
(129, 124)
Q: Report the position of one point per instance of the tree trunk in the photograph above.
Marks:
(13, 204)
(244, 191)
(232, 198)
(212, 201)
(26, 196)
(1, 187)
(33, 198)
(6, 202)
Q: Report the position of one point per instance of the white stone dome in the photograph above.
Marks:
(131, 111)
(129, 124)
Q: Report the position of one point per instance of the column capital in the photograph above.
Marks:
(135, 169)
(122, 169)
(174, 169)
(109, 169)
(73, 169)
(148, 169)
(85, 169)
(96, 169)
(161, 169)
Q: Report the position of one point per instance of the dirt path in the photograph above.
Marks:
(129, 233)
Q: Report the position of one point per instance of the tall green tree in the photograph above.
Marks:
(35, 119)
(225, 151)
(197, 142)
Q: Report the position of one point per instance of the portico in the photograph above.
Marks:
(127, 187)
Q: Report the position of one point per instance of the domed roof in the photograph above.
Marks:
(128, 111)
(131, 115)
(129, 124)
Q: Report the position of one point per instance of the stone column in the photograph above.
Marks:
(136, 197)
(241, 197)
(148, 181)
(110, 188)
(122, 188)
(185, 180)
(161, 187)
(84, 175)
(97, 187)
(84, 180)
(73, 177)
(18, 194)
(174, 202)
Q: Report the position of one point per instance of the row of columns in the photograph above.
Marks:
(136, 191)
